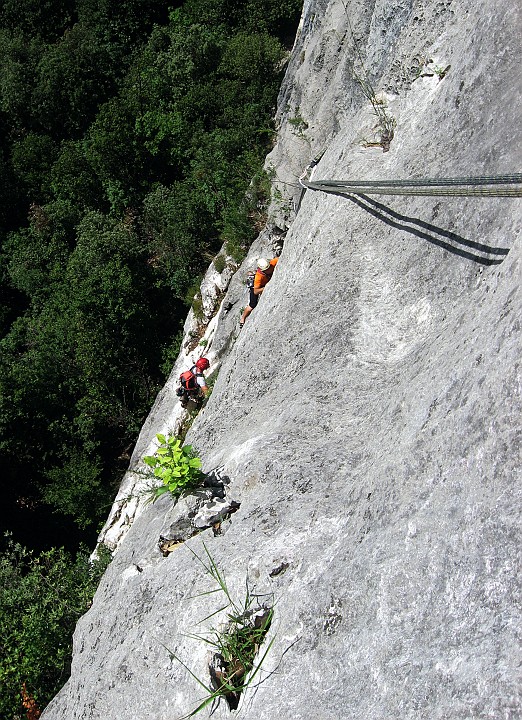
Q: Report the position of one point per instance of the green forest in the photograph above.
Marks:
(133, 136)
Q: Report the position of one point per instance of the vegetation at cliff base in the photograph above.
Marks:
(41, 598)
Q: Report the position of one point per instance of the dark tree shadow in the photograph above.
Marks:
(445, 239)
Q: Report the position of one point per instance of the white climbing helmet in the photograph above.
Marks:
(263, 264)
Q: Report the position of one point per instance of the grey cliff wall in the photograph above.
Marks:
(366, 420)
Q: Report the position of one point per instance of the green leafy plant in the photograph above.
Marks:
(236, 646)
(175, 465)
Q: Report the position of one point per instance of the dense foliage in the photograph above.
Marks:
(129, 135)
(175, 465)
(41, 598)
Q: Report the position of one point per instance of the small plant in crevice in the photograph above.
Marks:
(211, 381)
(190, 415)
(386, 123)
(441, 71)
(427, 68)
(298, 124)
(234, 647)
(175, 465)
(220, 263)
(197, 306)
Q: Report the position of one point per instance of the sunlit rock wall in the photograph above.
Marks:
(365, 424)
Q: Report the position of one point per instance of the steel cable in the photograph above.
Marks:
(481, 186)
(434, 189)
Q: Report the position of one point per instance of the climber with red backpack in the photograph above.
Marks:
(193, 385)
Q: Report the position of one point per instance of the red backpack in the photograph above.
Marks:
(188, 379)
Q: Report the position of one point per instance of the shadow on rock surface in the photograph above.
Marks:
(429, 232)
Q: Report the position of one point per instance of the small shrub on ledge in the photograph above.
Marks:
(175, 465)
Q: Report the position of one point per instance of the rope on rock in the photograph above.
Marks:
(483, 186)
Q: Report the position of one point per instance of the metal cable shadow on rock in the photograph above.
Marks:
(454, 243)
(356, 191)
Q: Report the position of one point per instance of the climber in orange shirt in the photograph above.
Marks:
(265, 269)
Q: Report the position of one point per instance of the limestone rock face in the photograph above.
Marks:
(366, 420)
